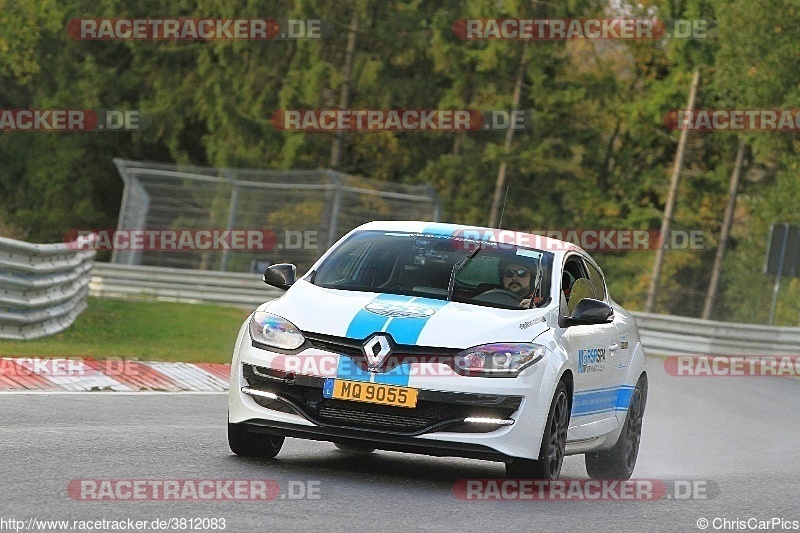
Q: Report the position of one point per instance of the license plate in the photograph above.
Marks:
(364, 391)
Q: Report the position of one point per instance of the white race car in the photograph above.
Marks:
(444, 340)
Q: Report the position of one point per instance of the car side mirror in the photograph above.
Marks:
(282, 275)
(590, 311)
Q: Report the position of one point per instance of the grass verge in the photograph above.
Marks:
(148, 331)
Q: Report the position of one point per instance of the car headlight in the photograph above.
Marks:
(500, 359)
(274, 331)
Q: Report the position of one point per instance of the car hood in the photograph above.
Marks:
(409, 319)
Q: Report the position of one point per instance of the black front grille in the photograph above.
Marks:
(335, 345)
(435, 411)
(400, 353)
(378, 416)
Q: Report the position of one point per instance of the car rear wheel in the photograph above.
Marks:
(619, 461)
(247, 444)
(553, 445)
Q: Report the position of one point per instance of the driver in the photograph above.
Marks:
(517, 278)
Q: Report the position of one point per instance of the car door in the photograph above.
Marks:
(591, 347)
(619, 353)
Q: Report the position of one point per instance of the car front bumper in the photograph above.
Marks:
(267, 399)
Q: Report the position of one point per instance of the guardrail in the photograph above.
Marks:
(43, 287)
(661, 334)
(179, 285)
(668, 334)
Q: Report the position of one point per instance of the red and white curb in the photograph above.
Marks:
(120, 375)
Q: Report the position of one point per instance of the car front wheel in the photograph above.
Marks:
(553, 445)
(247, 444)
(619, 461)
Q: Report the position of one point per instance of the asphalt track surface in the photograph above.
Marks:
(736, 439)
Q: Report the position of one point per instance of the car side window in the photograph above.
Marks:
(574, 270)
(346, 264)
(598, 284)
(593, 285)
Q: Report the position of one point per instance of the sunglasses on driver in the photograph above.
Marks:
(519, 272)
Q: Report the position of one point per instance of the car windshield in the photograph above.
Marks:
(414, 264)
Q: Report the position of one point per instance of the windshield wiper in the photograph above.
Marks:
(458, 266)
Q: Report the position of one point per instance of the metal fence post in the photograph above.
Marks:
(232, 207)
(337, 202)
(776, 288)
(123, 209)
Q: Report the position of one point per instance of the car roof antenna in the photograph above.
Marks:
(503, 210)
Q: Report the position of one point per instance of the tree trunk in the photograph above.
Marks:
(499, 185)
(727, 222)
(669, 209)
(344, 95)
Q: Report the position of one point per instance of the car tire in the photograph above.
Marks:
(553, 445)
(247, 444)
(353, 448)
(619, 461)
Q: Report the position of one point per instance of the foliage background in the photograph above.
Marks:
(599, 155)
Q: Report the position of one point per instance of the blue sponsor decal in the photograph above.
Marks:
(366, 323)
(403, 330)
(602, 400)
(591, 360)
(475, 233)
(406, 330)
(471, 233)
(441, 230)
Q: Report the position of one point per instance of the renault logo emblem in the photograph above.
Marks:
(376, 349)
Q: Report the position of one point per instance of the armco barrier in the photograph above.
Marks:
(661, 334)
(43, 287)
(667, 334)
(179, 285)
